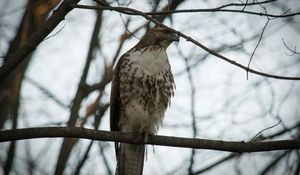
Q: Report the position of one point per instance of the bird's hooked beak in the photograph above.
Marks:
(174, 37)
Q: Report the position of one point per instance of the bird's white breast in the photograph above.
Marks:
(151, 61)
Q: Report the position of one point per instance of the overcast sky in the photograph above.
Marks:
(227, 105)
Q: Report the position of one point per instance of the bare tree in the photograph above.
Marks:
(236, 70)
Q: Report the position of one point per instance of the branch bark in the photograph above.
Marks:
(230, 146)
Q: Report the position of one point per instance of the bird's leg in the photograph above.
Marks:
(142, 136)
(146, 135)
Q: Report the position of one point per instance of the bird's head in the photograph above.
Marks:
(159, 36)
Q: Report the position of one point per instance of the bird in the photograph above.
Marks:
(141, 91)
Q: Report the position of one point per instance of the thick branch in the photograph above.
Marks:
(230, 146)
(20, 55)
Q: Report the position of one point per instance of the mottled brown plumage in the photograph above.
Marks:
(142, 87)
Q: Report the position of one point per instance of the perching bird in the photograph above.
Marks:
(142, 87)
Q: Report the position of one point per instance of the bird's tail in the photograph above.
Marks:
(130, 159)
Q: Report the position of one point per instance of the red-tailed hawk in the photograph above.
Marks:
(142, 87)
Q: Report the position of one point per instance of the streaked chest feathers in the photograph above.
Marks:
(146, 85)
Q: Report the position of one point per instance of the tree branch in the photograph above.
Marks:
(131, 11)
(21, 54)
(223, 10)
(128, 11)
(230, 146)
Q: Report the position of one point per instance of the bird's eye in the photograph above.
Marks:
(165, 32)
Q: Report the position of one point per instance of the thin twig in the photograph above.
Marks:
(246, 4)
(127, 11)
(46, 92)
(228, 157)
(83, 159)
(259, 40)
(265, 130)
(104, 158)
(48, 37)
(193, 90)
(273, 163)
(294, 51)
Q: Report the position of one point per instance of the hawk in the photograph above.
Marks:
(142, 87)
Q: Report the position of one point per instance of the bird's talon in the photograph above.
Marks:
(145, 137)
